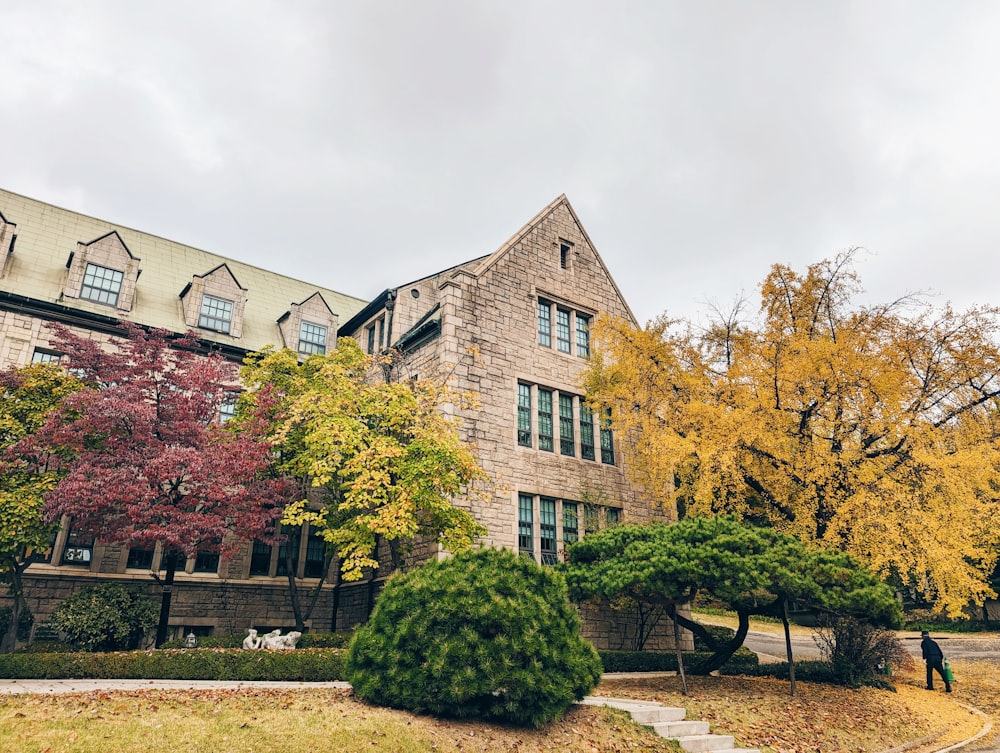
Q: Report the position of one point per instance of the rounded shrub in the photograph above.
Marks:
(107, 617)
(485, 634)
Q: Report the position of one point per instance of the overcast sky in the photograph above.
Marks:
(361, 145)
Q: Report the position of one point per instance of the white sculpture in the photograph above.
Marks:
(268, 639)
(272, 640)
(286, 642)
(251, 641)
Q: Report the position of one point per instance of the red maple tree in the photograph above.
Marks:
(146, 457)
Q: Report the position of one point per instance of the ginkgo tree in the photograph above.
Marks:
(27, 397)
(382, 460)
(872, 429)
(143, 456)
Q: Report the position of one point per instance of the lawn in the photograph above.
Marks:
(758, 711)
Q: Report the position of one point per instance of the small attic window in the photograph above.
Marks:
(564, 251)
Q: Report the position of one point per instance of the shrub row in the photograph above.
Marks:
(811, 670)
(744, 661)
(306, 665)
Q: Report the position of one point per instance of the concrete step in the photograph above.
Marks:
(669, 722)
(680, 729)
(698, 743)
(643, 712)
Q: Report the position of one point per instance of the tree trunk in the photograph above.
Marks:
(677, 649)
(788, 645)
(336, 601)
(168, 587)
(723, 652)
(9, 640)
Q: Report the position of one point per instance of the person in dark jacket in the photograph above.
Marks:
(934, 657)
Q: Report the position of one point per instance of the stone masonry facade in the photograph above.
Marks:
(511, 328)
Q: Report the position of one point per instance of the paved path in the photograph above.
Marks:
(772, 645)
(87, 686)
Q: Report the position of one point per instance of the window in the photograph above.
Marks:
(206, 562)
(566, 425)
(545, 420)
(140, 557)
(288, 553)
(44, 356)
(227, 409)
(548, 403)
(524, 415)
(370, 330)
(216, 314)
(583, 336)
(564, 256)
(312, 339)
(607, 443)
(586, 432)
(562, 331)
(315, 555)
(260, 559)
(547, 530)
(571, 523)
(101, 284)
(525, 523)
(79, 549)
(544, 323)
(381, 333)
(595, 518)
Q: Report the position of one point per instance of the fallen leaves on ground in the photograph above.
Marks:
(760, 712)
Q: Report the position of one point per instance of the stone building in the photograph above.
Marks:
(512, 327)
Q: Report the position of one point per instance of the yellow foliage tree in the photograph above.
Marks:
(869, 429)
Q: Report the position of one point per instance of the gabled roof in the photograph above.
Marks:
(560, 200)
(108, 235)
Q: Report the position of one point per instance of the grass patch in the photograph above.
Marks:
(300, 721)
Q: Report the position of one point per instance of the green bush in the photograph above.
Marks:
(308, 665)
(718, 632)
(485, 634)
(858, 651)
(744, 661)
(811, 670)
(107, 617)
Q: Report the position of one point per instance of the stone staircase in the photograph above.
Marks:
(669, 722)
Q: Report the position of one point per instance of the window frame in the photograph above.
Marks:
(546, 437)
(312, 338)
(524, 434)
(544, 323)
(209, 314)
(526, 524)
(96, 292)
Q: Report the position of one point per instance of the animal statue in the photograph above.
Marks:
(251, 641)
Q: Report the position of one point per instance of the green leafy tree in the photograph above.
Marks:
(485, 634)
(757, 571)
(107, 617)
(27, 397)
(381, 461)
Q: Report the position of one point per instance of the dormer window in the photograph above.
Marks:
(216, 314)
(101, 284)
(103, 271)
(312, 339)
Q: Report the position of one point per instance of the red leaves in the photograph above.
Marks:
(147, 460)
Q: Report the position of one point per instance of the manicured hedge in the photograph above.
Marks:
(308, 640)
(307, 665)
(744, 661)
